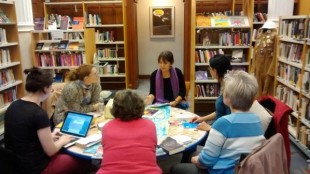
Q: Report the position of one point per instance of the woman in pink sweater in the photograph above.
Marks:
(129, 142)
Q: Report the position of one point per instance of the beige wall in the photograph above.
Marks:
(25, 49)
(149, 49)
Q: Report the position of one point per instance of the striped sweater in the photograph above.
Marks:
(229, 137)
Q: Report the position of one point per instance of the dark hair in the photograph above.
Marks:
(166, 56)
(221, 64)
(80, 72)
(127, 105)
(37, 80)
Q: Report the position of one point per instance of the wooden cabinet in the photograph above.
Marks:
(292, 76)
(209, 38)
(11, 87)
(103, 39)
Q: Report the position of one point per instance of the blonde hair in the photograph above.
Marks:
(241, 88)
(79, 73)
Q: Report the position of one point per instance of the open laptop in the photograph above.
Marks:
(76, 124)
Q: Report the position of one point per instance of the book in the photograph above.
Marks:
(39, 46)
(46, 46)
(64, 23)
(63, 44)
(96, 150)
(150, 112)
(88, 141)
(77, 23)
(73, 46)
(171, 146)
(220, 21)
(39, 23)
(53, 46)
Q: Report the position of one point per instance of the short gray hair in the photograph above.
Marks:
(241, 88)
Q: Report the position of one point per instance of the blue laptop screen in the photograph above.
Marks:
(76, 124)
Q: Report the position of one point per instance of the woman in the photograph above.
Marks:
(129, 142)
(28, 134)
(167, 83)
(219, 65)
(81, 94)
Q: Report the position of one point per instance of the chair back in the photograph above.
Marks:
(268, 158)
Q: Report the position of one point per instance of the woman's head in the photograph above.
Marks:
(37, 80)
(85, 72)
(165, 60)
(219, 65)
(239, 90)
(127, 105)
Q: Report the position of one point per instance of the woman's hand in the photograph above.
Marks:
(65, 139)
(56, 135)
(95, 106)
(173, 103)
(148, 100)
(204, 126)
(197, 119)
(195, 160)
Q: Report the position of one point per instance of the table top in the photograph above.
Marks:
(176, 116)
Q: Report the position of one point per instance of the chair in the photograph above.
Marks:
(279, 122)
(266, 159)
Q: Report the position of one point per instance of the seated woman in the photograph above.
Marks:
(167, 83)
(232, 135)
(81, 94)
(129, 142)
(28, 134)
(219, 65)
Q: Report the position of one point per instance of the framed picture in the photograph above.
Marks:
(162, 22)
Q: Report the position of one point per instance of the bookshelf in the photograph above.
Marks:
(292, 82)
(209, 37)
(107, 23)
(11, 87)
(103, 39)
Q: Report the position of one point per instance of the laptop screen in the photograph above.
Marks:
(76, 124)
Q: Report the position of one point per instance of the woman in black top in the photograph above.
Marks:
(167, 83)
(28, 134)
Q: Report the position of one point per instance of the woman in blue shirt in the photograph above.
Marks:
(219, 65)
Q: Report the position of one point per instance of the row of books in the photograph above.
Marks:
(73, 36)
(6, 77)
(62, 45)
(260, 17)
(235, 38)
(308, 31)
(287, 96)
(293, 28)
(109, 69)
(207, 90)
(56, 21)
(3, 38)
(107, 53)
(291, 52)
(94, 19)
(5, 56)
(204, 56)
(304, 136)
(3, 17)
(59, 59)
(289, 74)
(105, 36)
(7, 96)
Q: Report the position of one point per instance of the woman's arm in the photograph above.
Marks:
(151, 97)
(49, 146)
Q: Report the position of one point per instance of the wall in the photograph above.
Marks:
(149, 49)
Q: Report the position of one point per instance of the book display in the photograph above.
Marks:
(225, 32)
(10, 60)
(292, 82)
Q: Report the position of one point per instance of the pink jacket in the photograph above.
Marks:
(270, 157)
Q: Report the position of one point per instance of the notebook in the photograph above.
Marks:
(76, 124)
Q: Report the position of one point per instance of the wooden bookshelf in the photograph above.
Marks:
(104, 18)
(11, 88)
(293, 76)
(206, 48)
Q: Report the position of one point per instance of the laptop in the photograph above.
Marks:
(76, 124)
